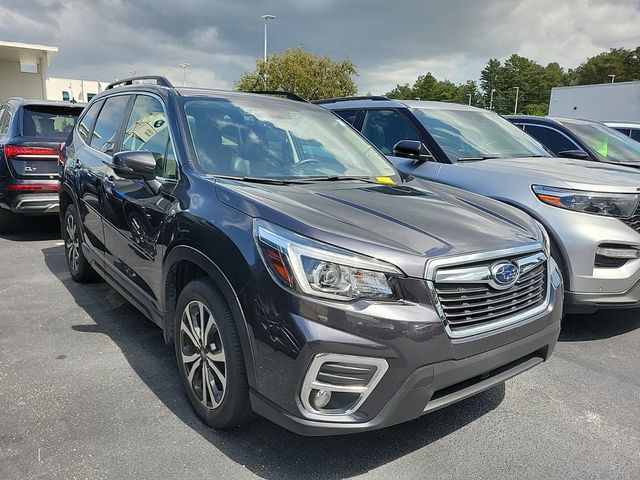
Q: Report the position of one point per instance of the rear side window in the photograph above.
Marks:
(624, 131)
(147, 129)
(56, 122)
(347, 115)
(5, 117)
(108, 123)
(87, 121)
(551, 138)
(635, 134)
(385, 128)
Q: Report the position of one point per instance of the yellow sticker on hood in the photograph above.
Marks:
(386, 180)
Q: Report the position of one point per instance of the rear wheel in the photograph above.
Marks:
(10, 222)
(209, 356)
(80, 269)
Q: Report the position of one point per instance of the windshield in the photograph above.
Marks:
(256, 137)
(609, 144)
(475, 134)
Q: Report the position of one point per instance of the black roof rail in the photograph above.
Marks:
(347, 99)
(288, 95)
(162, 81)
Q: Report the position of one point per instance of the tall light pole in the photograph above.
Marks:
(515, 108)
(493, 90)
(266, 18)
(184, 72)
(613, 78)
(469, 95)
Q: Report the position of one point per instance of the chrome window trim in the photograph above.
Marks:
(461, 332)
(310, 383)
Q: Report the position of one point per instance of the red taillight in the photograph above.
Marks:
(61, 158)
(33, 187)
(14, 151)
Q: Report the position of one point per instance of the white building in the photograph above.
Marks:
(24, 72)
(24, 69)
(80, 90)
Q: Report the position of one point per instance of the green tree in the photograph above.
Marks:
(301, 72)
(623, 63)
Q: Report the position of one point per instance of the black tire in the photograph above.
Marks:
(10, 222)
(226, 404)
(79, 268)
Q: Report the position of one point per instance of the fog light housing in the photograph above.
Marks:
(335, 385)
(618, 251)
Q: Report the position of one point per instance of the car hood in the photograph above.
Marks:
(393, 223)
(565, 172)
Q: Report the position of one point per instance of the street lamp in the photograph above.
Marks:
(469, 95)
(613, 78)
(266, 18)
(515, 108)
(184, 72)
(493, 90)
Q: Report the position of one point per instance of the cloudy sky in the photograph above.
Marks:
(390, 41)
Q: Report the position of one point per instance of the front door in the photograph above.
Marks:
(135, 211)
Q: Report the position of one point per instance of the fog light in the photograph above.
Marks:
(320, 398)
(620, 252)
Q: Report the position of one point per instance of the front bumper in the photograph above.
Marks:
(427, 369)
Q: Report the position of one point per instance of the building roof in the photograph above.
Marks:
(25, 52)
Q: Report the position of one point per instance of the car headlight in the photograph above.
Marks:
(322, 270)
(607, 204)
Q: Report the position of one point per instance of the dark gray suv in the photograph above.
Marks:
(291, 270)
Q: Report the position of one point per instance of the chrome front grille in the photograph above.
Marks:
(469, 297)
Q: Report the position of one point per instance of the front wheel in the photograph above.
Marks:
(209, 356)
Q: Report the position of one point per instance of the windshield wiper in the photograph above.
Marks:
(336, 178)
(265, 180)
(476, 158)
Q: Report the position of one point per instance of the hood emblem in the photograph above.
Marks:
(504, 275)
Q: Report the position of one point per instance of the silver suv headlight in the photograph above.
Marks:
(596, 203)
(321, 270)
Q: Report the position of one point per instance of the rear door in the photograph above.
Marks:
(135, 211)
(33, 153)
(96, 139)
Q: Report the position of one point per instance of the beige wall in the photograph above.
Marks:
(14, 83)
(56, 86)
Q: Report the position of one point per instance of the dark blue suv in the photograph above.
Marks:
(294, 274)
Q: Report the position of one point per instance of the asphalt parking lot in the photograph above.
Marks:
(88, 389)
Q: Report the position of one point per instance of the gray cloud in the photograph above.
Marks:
(390, 42)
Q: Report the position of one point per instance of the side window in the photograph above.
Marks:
(385, 128)
(635, 134)
(347, 115)
(551, 138)
(4, 120)
(147, 129)
(108, 123)
(625, 131)
(84, 127)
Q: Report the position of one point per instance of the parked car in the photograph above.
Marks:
(629, 129)
(590, 210)
(293, 273)
(581, 139)
(30, 135)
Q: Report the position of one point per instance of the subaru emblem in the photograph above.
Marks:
(504, 274)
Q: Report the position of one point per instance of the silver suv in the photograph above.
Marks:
(590, 210)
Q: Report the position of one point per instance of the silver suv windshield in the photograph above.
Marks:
(476, 134)
(262, 138)
(609, 144)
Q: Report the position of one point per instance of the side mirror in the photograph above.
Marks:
(414, 149)
(577, 154)
(136, 165)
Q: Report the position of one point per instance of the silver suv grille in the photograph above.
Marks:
(469, 296)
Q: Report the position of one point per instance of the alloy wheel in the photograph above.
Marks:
(72, 244)
(202, 354)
